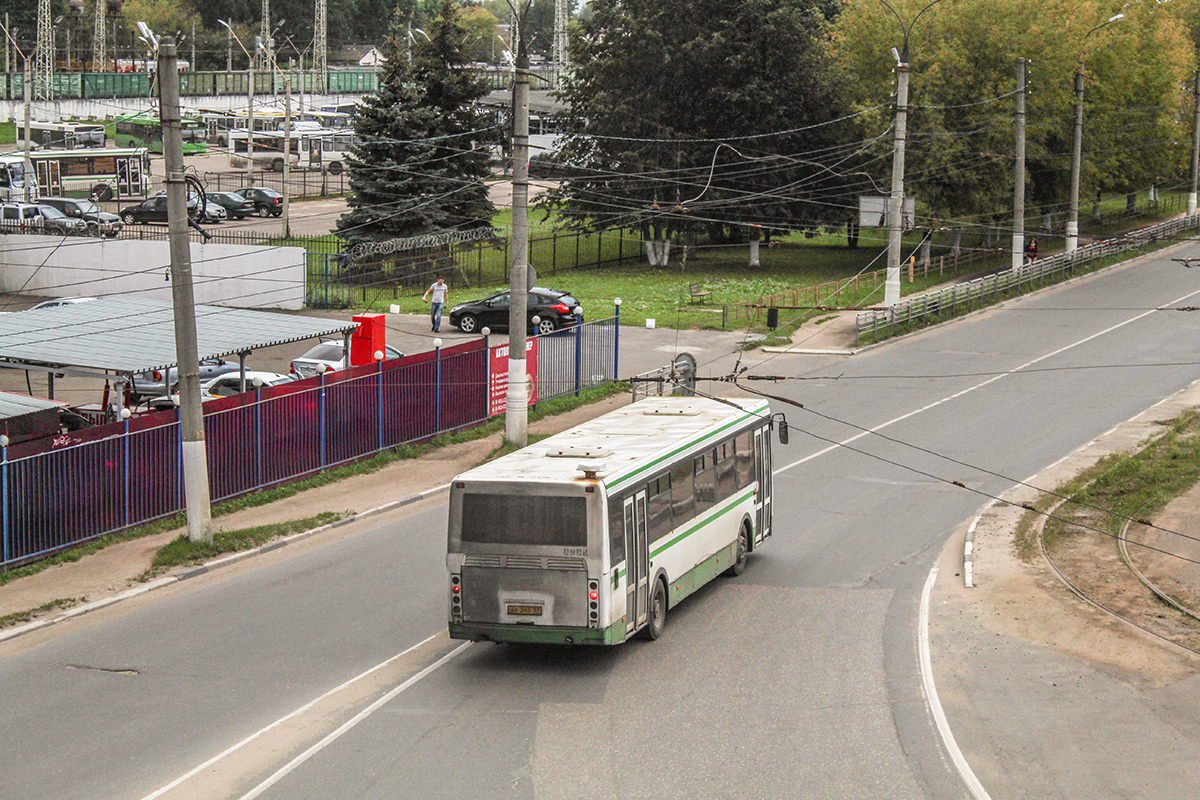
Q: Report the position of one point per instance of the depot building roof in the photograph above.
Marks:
(127, 335)
(18, 405)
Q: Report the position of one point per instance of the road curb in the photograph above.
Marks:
(232, 558)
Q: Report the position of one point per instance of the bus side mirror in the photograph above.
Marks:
(779, 422)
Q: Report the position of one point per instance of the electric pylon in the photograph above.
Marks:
(99, 36)
(321, 48)
(43, 54)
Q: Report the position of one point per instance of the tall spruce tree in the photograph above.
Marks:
(420, 161)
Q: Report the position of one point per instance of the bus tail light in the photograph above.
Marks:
(593, 603)
(456, 597)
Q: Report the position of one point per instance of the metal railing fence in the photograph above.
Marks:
(79, 486)
(951, 301)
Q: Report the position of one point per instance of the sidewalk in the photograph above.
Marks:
(1047, 696)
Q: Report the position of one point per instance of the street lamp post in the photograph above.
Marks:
(1077, 144)
(249, 105)
(891, 287)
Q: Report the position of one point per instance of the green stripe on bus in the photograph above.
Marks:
(654, 553)
(681, 448)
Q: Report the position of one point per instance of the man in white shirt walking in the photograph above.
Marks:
(439, 290)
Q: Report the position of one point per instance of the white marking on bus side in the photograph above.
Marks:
(359, 717)
(980, 385)
(935, 705)
(283, 719)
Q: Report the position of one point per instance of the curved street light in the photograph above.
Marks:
(1077, 144)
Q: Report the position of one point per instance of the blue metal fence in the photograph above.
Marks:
(57, 494)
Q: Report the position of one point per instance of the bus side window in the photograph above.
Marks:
(706, 481)
(745, 458)
(682, 495)
(616, 530)
(726, 476)
(658, 507)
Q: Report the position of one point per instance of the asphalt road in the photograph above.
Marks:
(798, 679)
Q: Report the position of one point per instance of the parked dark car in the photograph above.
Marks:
(155, 210)
(267, 202)
(99, 222)
(236, 206)
(553, 308)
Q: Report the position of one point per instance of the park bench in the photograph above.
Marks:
(698, 293)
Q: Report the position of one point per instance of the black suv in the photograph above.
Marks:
(99, 223)
(267, 202)
(554, 310)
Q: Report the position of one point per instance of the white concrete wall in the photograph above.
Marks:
(238, 275)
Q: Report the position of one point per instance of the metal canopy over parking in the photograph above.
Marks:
(123, 336)
(18, 405)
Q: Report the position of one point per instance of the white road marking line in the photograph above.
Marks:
(935, 705)
(980, 385)
(280, 721)
(359, 717)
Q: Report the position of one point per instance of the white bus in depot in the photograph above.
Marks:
(591, 535)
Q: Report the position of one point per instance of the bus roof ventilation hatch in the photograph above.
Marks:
(578, 451)
(672, 411)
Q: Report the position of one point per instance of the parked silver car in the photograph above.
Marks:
(161, 383)
(330, 354)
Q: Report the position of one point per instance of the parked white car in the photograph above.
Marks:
(329, 353)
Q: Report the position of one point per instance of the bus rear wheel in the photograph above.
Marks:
(743, 547)
(658, 611)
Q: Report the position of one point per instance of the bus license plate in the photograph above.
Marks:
(529, 611)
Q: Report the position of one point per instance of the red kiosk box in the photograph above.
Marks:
(369, 339)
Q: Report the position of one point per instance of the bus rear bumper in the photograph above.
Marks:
(536, 634)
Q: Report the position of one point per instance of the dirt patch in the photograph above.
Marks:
(1021, 596)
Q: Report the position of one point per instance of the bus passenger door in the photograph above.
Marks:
(637, 562)
(762, 473)
(125, 178)
(49, 177)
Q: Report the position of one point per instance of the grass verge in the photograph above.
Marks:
(19, 617)
(184, 552)
(1133, 485)
(367, 466)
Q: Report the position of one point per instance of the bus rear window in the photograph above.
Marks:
(524, 520)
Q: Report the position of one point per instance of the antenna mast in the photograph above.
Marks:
(559, 54)
(99, 31)
(320, 49)
(43, 54)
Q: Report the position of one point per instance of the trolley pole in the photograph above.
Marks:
(516, 408)
(1018, 239)
(195, 458)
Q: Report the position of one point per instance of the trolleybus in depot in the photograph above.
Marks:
(591, 535)
(12, 177)
(145, 130)
(99, 174)
(62, 135)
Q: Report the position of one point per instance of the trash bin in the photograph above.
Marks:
(772, 318)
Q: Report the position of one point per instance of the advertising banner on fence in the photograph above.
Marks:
(498, 376)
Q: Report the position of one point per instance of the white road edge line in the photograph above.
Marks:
(980, 385)
(359, 717)
(281, 720)
(935, 705)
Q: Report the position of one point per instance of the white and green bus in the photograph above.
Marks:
(591, 535)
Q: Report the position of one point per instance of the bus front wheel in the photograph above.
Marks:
(658, 611)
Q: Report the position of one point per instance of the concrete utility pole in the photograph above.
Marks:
(195, 458)
(250, 122)
(516, 409)
(1018, 241)
(28, 96)
(1076, 164)
(891, 287)
(1191, 198)
(287, 149)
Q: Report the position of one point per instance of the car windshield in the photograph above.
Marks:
(326, 351)
(87, 206)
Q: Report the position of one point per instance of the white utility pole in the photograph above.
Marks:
(561, 58)
(1076, 164)
(287, 150)
(1018, 240)
(516, 409)
(191, 419)
(891, 287)
(1191, 198)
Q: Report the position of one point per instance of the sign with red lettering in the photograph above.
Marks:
(498, 376)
